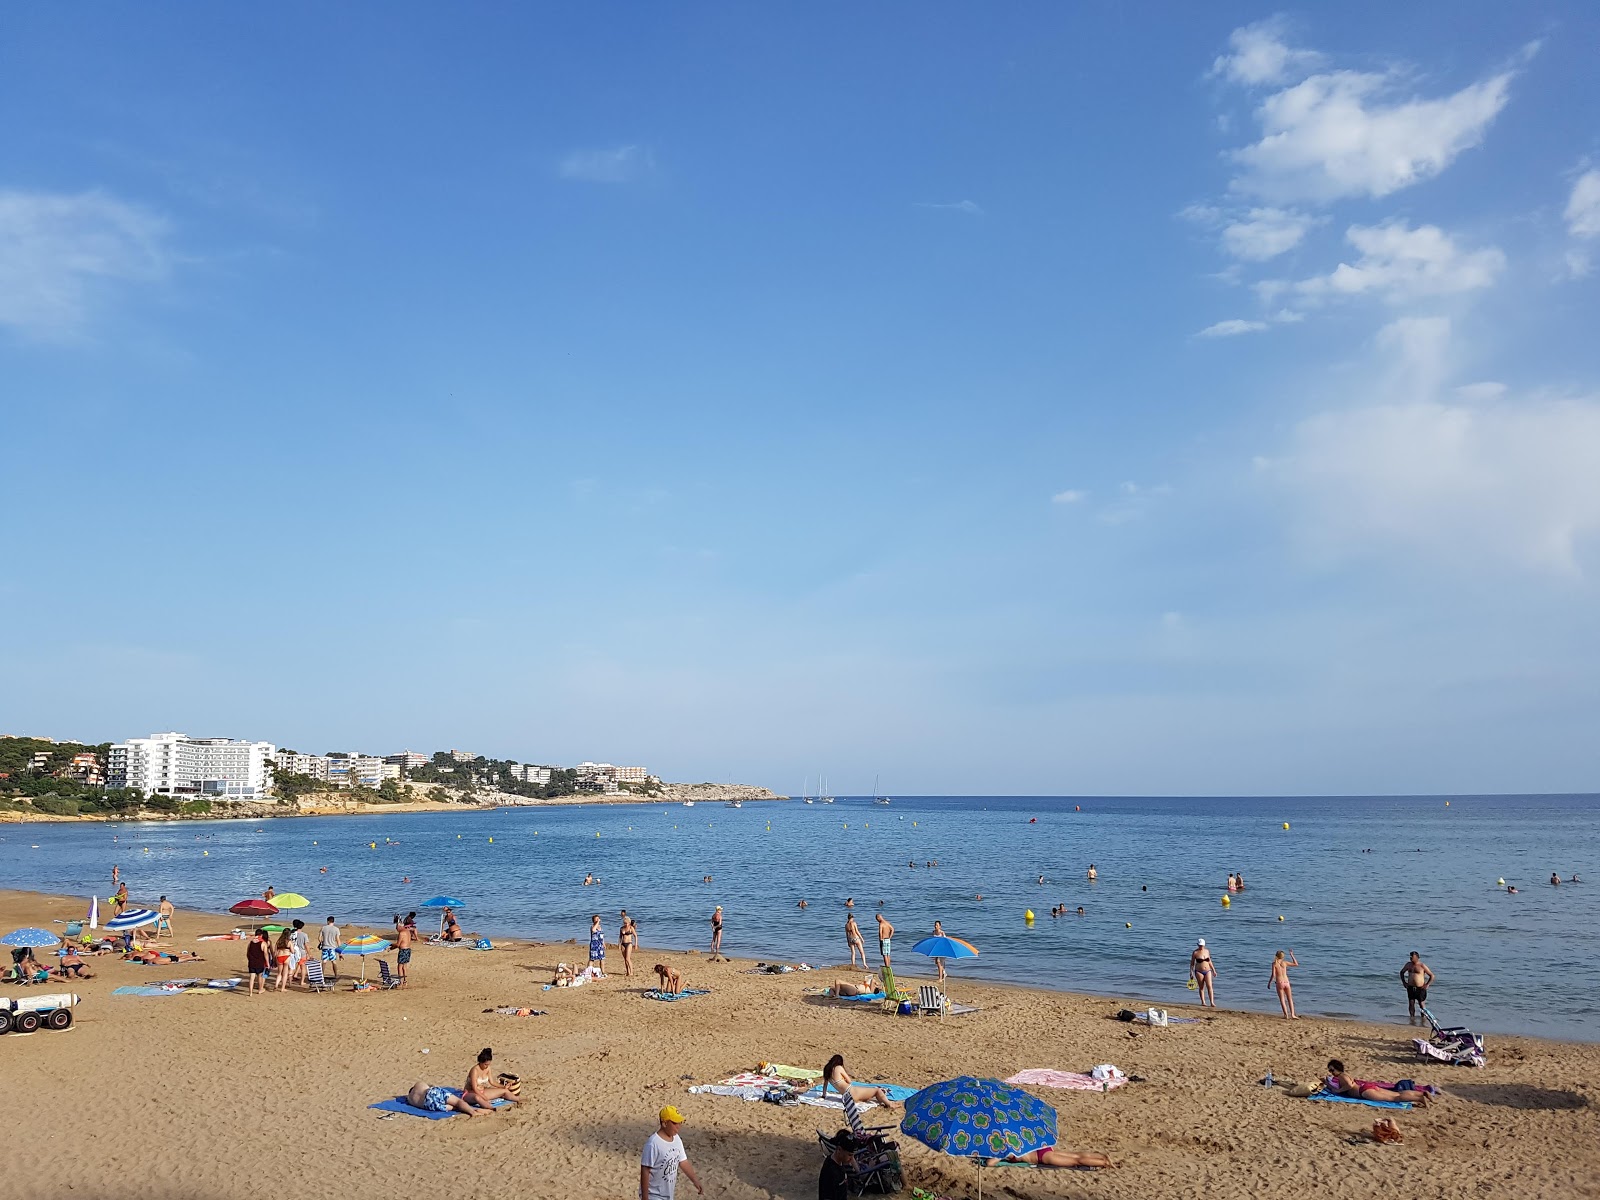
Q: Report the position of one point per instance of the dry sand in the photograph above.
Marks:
(229, 1096)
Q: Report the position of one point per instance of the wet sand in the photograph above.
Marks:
(224, 1095)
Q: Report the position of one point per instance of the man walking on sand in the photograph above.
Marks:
(1417, 978)
(402, 943)
(885, 937)
(330, 941)
(663, 1157)
(164, 918)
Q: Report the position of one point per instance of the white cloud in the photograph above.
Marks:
(1231, 328)
(1261, 56)
(1488, 389)
(1133, 502)
(969, 208)
(58, 251)
(1480, 482)
(1346, 133)
(1265, 233)
(1398, 262)
(1583, 206)
(623, 164)
(1070, 496)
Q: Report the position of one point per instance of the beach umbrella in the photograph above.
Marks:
(363, 945)
(254, 907)
(94, 912)
(979, 1118)
(443, 902)
(290, 900)
(30, 936)
(941, 946)
(132, 919)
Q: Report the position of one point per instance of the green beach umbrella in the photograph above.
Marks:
(291, 900)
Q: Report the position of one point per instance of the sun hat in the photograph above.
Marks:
(669, 1113)
(1200, 942)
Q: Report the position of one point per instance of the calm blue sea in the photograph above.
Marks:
(1358, 881)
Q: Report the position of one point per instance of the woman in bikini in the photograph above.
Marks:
(282, 951)
(627, 939)
(1049, 1156)
(852, 936)
(1340, 1084)
(1280, 982)
(835, 1076)
(481, 1089)
(1204, 972)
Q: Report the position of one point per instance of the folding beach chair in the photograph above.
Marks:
(893, 995)
(874, 1161)
(386, 978)
(315, 980)
(1454, 1035)
(931, 1000)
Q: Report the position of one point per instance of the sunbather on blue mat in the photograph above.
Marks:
(1339, 1083)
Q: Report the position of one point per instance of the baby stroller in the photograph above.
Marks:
(874, 1161)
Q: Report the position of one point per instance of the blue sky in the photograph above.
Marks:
(1045, 400)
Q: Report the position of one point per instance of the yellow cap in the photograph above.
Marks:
(670, 1113)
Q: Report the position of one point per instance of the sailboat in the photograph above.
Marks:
(822, 786)
(805, 790)
(877, 799)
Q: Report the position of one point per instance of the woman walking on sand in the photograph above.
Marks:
(1280, 982)
(627, 939)
(852, 935)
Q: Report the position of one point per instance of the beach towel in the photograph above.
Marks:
(132, 990)
(747, 1091)
(1074, 1081)
(1144, 1019)
(787, 1072)
(896, 1092)
(872, 999)
(653, 994)
(400, 1105)
(509, 1010)
(1332, 1099)
(754, 1079)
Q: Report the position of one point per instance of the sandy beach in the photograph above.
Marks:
(220, 1095)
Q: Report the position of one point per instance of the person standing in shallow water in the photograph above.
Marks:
(1204, 971)
(716, 936)
(1280, 982)
(852, 935)
(627, 939)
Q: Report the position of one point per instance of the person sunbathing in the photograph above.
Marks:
(563, 977)
(481, 1088)
(867, 987)
(1049, 1156)
(438, 1099)
(72, 966)
(668, 980)
(1340, 1084)
(835, 1076)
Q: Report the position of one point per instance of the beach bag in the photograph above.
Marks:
(1157, 1016)
(511, 1083)
(1126, 1014)
(483, 944)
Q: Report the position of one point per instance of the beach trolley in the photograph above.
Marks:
(35, 1012)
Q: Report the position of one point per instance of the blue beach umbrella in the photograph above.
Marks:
(29, 936)
(979, 1118)
(945, 947)
(132, 919)
(443, 902)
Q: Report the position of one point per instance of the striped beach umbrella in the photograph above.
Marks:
(132, 919)
(30, 936)
(363, 945)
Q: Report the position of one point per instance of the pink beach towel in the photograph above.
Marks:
(1070, 1080)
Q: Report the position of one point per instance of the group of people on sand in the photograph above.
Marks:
(1203, 975)
(476, 1099)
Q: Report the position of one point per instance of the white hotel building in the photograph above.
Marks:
(174, 764)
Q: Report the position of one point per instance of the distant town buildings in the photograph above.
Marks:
(175, 764)
(407, 760)
(461, 756)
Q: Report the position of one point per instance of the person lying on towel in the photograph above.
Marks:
(1049, 1156)
(1340, 1084)
(869, 986)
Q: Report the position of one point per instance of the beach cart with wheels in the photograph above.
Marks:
(37, 1012)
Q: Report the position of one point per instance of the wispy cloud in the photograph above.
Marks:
(1582, 216)
(1133, 501)
(60, 252)
(1398, 262)
(969, 208)
(1232, 328)
(1070, 496)
(1260, 55)
(620, 164)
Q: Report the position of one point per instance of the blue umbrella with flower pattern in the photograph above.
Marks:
(979, 1118)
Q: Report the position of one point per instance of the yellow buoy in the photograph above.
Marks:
(1028, 916)
(596, 835)
(1226, 902)
(1447, 804)
(1127, 924)
(372, 845)
(1280, 916)
(1286, 824)
(205, 853)
(1500, 882)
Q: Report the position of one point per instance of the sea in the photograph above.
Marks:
(1349, 884)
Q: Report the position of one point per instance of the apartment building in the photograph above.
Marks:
(408, 760)
(538, 776)
(631, 775)
(175, 764)
(314, 765)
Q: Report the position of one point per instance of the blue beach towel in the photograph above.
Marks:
(399, 1105)
(653, 994)
(134, 990)
(876, 996)
(1332, 1099)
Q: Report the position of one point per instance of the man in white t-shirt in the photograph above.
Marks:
(663, 1157)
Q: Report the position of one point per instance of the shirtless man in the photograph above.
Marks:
(1203, 970)
(1417, 978)
(885, 938)
(164, 913)
(852, 934)
(402, 944)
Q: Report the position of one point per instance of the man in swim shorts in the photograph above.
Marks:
(1417, 978)
(885, 938)
(403, 950)
(330, 941)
